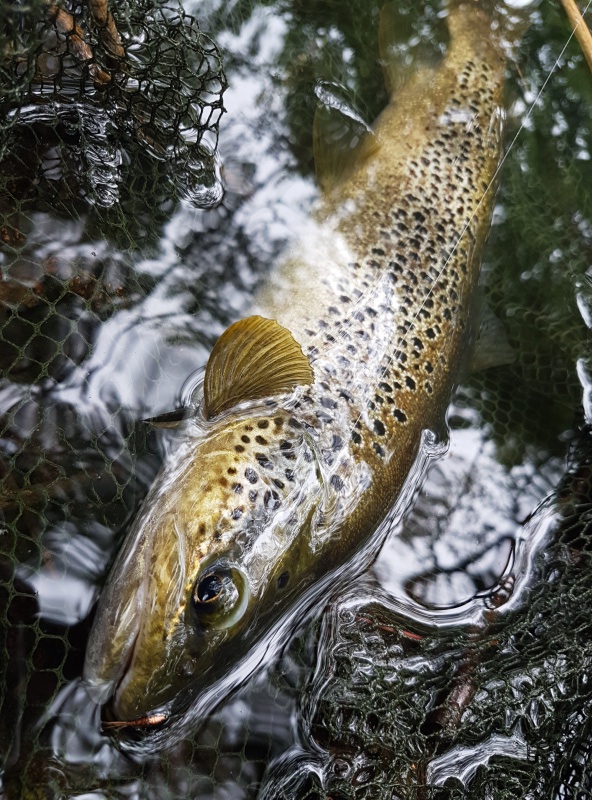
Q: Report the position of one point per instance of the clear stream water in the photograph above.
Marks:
(458, 665)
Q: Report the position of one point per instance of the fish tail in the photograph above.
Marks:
(473, 28)
(483, 30)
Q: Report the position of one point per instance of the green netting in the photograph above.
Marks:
(457, 667)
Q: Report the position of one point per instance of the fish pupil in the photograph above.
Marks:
(209, 588)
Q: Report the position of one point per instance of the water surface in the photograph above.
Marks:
(457, 666)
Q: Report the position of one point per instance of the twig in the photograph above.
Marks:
(108, 32)
(581, 30)
(66, 24)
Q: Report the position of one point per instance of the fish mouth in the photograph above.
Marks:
(110, 721)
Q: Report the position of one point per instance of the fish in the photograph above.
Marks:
(318, 408)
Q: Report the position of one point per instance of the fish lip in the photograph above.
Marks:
(109, 720)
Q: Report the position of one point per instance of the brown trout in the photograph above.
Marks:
(316, 407)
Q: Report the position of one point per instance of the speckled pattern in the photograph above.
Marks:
(397, 258)
(378, 291)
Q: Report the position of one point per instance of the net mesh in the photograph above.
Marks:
(458, 666)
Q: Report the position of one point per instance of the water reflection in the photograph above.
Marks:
(435, 667)
(405, 696)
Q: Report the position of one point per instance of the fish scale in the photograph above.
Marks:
(399, 306)
(311, 424)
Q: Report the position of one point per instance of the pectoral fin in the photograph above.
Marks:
(253, 359)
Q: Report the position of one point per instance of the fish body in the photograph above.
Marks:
(284, 475)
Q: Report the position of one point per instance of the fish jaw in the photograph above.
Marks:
(151, 648)
(147, 582)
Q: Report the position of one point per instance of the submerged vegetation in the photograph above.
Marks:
(463, 660)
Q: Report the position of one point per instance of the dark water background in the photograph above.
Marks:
(458, 665)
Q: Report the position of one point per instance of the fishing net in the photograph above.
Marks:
(458, 666)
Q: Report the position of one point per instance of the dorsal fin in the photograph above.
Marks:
(254, 358)
(341, 139)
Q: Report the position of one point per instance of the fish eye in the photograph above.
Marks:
(219, 596)
(209, 589)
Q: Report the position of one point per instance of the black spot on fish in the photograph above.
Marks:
(322, 416)
(253, 495)
(237, 488)
(260, 440)
(285, 445)
(399, 415)
(289, 473)
(263, 424)
(277, 482)
(429, 368)
(231, 470)
(271, 499)
(245, 439)
(251, 475)
(263, 460)
(337, 442)
(202, 528)
(410, 383)
(239, 448)
(237, 513)
(283, 580)
(379, 428)
(336, 483)
(356, 438)
(378, 449)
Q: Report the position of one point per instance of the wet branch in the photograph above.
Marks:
(106, 29)
(67, 26)
(103, 19)
(580, 28)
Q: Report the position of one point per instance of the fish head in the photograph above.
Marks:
(213, 557)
